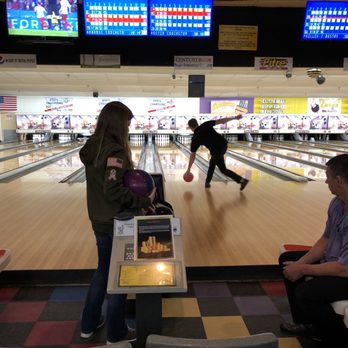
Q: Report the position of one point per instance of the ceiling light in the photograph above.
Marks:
(314, 72)
(320, 79)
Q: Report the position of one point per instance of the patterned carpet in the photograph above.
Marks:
(48, 316)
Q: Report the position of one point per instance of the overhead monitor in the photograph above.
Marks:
(326, 20)
(115, 18)
(178, 18)
(45, 18)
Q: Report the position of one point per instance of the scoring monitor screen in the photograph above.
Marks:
(326, 20)
(179, 18)
(115, 18)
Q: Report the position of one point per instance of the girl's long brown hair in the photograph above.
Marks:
(113, 121)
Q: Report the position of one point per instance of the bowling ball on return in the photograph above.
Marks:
(139, 182)
(188, 177)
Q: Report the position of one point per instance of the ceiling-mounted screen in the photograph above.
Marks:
(326, 20)
(115, 18)
(46, 18)
(178, 18)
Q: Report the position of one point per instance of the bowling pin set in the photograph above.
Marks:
(38, 137)
(162, 139)
(184, 139)
(137, 140)
(140, 139)
(320, 137)
(64, 138)
(231, 137)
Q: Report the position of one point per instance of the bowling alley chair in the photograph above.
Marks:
(263, 340)
(122, 344)
(5, 257)
(340, 307)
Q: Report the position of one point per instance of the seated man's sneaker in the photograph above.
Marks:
(129, 337)
(293, 327)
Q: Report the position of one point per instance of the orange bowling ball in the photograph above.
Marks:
(188, 177)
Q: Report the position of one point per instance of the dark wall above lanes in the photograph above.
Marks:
(279, 34)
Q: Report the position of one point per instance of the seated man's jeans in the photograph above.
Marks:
(310, 301)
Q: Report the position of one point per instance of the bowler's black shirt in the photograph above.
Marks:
(206, 135)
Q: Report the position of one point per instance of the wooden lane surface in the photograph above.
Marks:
(225, 227)
(46, 225)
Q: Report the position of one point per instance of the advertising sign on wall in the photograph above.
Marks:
(279, 105)
(323, 105)
(273, 63)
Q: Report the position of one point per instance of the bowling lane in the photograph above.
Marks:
(266, 145)
(250, 172)
(174, 164)
(62, 168)
(136, 153)
(54, 172)
(239, 167)
(287, 164)
(315, 156)
(316, 146)
(17, 162)
(343, 143)
(4, 146)
(22, 149)
(15, 142)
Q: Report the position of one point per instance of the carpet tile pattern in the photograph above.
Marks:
(49, 316)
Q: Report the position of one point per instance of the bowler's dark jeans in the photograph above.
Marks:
(116, 309)
(217, 159)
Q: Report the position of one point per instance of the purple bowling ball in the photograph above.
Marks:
(139, 182)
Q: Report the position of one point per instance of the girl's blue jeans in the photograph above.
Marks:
(116, 306)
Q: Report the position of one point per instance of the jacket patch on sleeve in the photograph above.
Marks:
(114, 162)
(112, 175)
